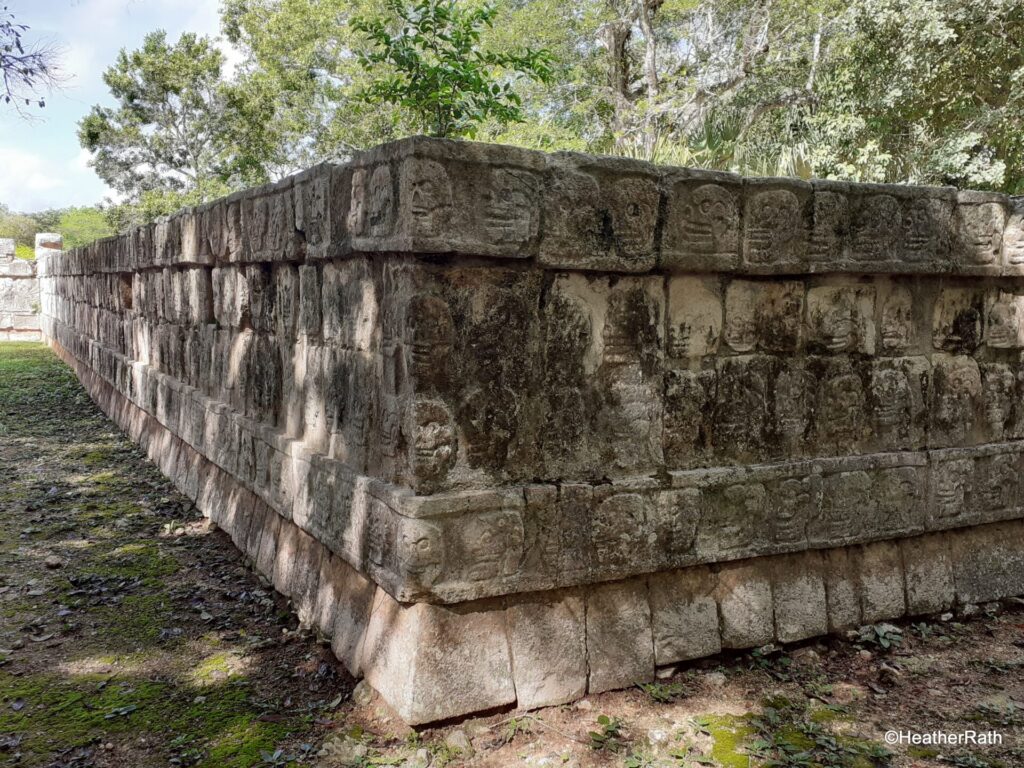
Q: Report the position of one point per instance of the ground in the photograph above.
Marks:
(134, 634)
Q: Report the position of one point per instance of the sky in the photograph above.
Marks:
(41, 163)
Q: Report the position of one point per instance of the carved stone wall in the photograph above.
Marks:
(480, 389)
(19, 296)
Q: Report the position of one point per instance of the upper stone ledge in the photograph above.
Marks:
(578, 212)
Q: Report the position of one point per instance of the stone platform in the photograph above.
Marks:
(511, 427)
(19, 296)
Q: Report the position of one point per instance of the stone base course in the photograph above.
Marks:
(435, 662)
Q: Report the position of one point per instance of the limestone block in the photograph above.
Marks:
(979, 219)
(350, 305)
(266, 557)
(684, 615)
(310, 312)
(956, 391)
(841, 319)
(689, 405)
(897, 397)
(256, 528)
(695, 313)
(314, 215)
(741, 410)
(286, 300)
(842, 588)
(841, 422)
(620, 644)
(354, 595)
(777, 220)
(928, 569)
(988, 562)
(702, 221)
(1012, 260)
(763, 316)
(599, 214)
(958, 319)
(547, 636)
(434, 662)
(798, 590)
(260, 290)
(744, 594)
(881, 582)
(1004, 319)
(439, 197)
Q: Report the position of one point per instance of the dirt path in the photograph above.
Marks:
(131, 634)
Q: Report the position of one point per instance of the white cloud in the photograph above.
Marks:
(33, 182)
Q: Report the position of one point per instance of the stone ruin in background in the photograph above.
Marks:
(511, 427)
(19, 290)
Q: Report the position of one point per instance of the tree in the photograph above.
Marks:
(163, 142)
(293, 101)
(434, 65)
(925, 92)
(79, 225)
(26, 69)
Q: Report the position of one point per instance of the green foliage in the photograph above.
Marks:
(434, 65)
(21, 227)
(885, 637)
(609, 736)
(166, 136)
(664, 693)
(80, 226)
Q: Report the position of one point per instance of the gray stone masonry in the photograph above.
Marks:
(19, 295)
(510, 426)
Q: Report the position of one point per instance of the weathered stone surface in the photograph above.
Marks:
(881, 580)
(435, 662)
(547, 637)
(798, 590)
(928, 568)
(744, 594)
(842, 588)
(620, 646)
(988, 562)
(684, 615)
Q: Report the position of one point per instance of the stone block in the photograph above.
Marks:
(435, 662)
(684, 615)
(600, 214)
(744, 594)
(798, 589)
(620, 643)
(988, 562)
(355, 599)
(928, 570)
(842, 588)
(547, 636)
(777, 221)
(702, 221)
(979, 221)
(695, 312)
(883, 595)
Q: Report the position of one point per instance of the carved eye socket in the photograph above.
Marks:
(423, 545)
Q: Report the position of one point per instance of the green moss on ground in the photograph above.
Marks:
(52, 714)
